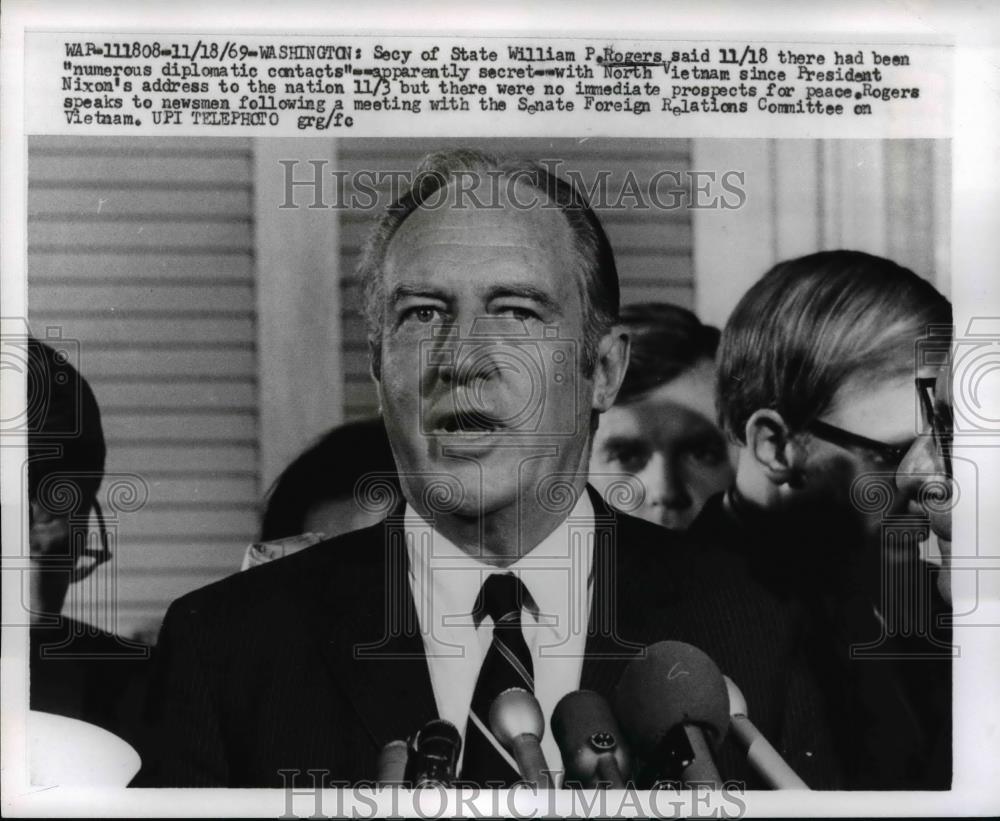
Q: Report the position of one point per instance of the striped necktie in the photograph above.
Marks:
(507, 664)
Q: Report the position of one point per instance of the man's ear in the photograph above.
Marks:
(772, 446)
(375, 370)
(375, 360)
(609, 370)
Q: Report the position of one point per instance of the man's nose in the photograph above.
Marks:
(483, 361)
(469, 348)
(918, 463)
(664, 483)
(474, 367)
(438, 355)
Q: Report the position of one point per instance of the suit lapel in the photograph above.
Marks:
(622, 602)
(373, 642)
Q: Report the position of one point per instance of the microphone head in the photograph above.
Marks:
(671, 683)
(585, 729)
(434, 757)
(392, 761)
(737, 703)
(516, 712)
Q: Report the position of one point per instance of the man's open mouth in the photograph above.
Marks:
(466, 423)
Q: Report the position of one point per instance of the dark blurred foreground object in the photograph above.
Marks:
(82, 672)
(887, 691)
(77, 670)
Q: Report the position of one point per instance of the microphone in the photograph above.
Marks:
(517, 722)
(673, 706)
(592, 747)
(391, 765)
(434, 755)
(765, 760)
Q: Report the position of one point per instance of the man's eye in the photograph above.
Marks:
(518, 312)
(708, 452)
(885, 460)
(423, 313)
(890, 457)
(630, 459)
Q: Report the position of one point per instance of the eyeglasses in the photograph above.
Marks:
(91, 559)
(938, 416)
(891, 455)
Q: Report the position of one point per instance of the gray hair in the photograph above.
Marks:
(440, 170)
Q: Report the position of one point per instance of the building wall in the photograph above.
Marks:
(142, 250)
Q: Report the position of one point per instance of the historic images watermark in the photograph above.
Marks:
(319, 184)
(311, 795)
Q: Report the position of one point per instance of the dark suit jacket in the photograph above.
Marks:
(886, 681)
(89, 674)
(316, 661)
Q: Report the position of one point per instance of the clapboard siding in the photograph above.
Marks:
(141, 234)
(209, 460)
(169, 299)
(177, 266)
(217, 204)
(137, 167)
(191, 532)
(220, 363)
(192, 327)
(653, 246)
(181, 429)
(177, 395)
(143, 251)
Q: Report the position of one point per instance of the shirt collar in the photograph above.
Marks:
(561, 562)
(453, 578)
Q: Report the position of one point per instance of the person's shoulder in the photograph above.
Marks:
(68, 638)
(287, 582)
(704, 568)
(634, 534)
(673, 547)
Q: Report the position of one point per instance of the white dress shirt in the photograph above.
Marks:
(445, 582)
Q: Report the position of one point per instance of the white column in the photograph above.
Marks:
(798, 213)
(300, 387)
(732, 248)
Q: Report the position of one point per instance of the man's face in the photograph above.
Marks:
(851, 481)
(670, 443)
(922, 476)
(49, 575)
(475, 390)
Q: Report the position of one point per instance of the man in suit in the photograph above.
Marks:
(491, 300)
(816, 385)
(77, 669)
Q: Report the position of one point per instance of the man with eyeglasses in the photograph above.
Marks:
(816, 388)
(77, 669)
(925, 475)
